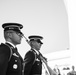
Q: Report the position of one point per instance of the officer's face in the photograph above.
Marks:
(16, 37)
(37, 45)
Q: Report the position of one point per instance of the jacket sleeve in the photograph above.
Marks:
(29, 60)
(4, 57)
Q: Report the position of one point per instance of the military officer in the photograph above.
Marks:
(11, 62)
(33, 64)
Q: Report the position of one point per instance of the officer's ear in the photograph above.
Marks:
(8, 34)
(32, 43)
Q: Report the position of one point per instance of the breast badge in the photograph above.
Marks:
(15, 66)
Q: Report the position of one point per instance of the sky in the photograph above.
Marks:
(38, 17)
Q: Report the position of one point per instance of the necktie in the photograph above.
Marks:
(15, 50)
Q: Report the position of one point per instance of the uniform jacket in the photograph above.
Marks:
(33, 64)
(10, 62)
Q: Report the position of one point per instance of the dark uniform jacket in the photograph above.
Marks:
(10, 61)
(33, 64)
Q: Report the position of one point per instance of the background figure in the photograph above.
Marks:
(56, 69)
(11, 63)
(73, 72)
(33, 63)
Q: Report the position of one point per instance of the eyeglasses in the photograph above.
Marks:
(19, 34)
(38, 41)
